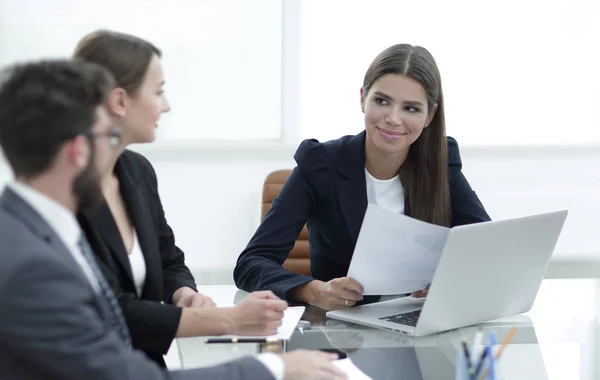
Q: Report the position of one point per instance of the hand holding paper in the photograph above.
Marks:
(260, 313)
(336, 294)
(290, 319)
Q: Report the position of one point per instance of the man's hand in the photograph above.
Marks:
(311, 365)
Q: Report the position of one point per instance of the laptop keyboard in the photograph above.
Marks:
(408, 319)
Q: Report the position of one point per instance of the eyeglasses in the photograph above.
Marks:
(113, 135)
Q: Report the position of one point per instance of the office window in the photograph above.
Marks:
(513, 72)
(222, 58)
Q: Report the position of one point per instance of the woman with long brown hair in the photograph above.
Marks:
(402, 162)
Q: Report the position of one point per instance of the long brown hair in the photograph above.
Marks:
(127, 57)
(424, 174)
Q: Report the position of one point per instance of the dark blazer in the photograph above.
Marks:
(152, 325)
(327, 191)
(53, 326)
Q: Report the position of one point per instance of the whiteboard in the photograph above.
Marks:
(222, 58)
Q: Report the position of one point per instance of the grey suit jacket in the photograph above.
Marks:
(53, 325)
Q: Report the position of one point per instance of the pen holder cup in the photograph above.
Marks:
(462, 370)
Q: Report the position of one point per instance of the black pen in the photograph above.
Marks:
(241, 340)
(468, 359)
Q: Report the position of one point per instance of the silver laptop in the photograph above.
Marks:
(487, 271)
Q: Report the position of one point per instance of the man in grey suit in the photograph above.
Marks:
(58, 317)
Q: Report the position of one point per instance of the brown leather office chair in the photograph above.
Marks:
(299, 259)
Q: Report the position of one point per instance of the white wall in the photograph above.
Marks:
(507, 66)
(212, 195)
(215, 53)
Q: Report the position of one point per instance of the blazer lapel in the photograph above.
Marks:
(14, 204)
(101, 220)
(133, 192)
(350, 184)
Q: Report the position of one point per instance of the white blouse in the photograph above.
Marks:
(385, 193)
(138, 265)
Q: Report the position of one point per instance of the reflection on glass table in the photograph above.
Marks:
(558, 339)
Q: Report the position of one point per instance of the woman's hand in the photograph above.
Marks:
(188, 297)
(338, 293)
(421, 293)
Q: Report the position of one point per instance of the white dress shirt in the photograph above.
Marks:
(61, 220)
(65, 225)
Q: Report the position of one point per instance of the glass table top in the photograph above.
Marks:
(558, 339)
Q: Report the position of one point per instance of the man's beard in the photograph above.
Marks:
(87, 187)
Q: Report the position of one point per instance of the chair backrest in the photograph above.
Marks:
(298, 260)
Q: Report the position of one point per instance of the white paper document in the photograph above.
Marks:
(394, 253)
(352, 371)
(291, 317)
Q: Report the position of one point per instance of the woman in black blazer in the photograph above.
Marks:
(129, 234)
(403, 161)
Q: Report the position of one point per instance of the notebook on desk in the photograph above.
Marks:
(291, 318)
(487, 271)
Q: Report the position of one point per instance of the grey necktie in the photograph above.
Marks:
(118, 321)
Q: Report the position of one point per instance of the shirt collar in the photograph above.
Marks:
(60, 218)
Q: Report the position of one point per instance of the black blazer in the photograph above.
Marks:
(152, 325)
(327, 191)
